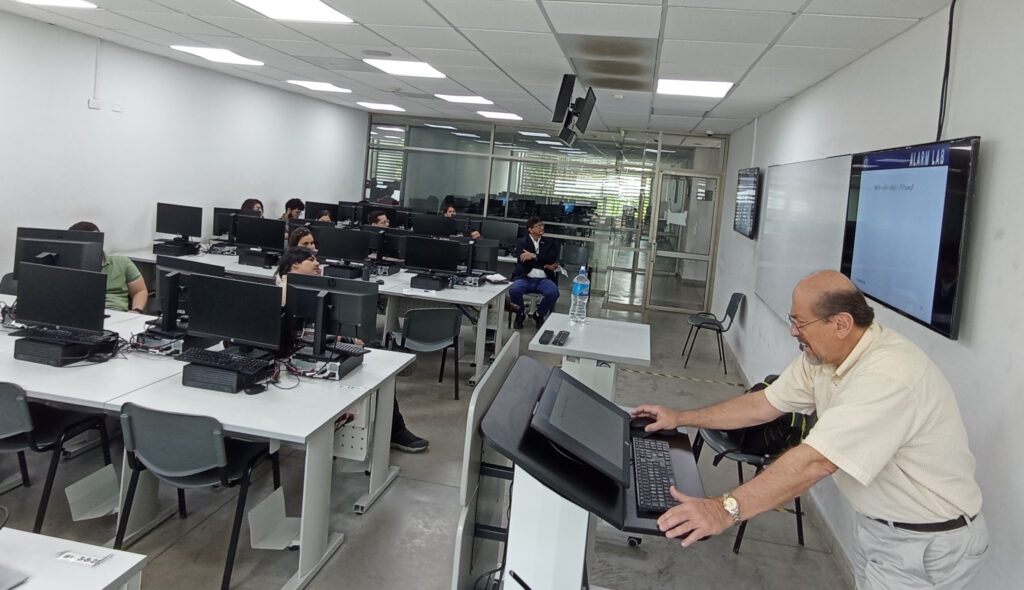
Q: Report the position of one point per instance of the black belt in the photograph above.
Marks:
(930, 527)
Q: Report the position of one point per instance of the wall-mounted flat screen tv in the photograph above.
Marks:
(906, 228)
(748, 201)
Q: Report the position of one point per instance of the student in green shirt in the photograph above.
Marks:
(126, 289)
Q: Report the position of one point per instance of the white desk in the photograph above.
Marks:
(230, 263)
(396, 286)
(36, 556)
(595, 347)
(303, 416)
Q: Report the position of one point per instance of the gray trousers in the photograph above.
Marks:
(890, 558)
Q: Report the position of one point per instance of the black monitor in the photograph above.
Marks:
(223, 222)
(577, 419)
(179, 220)
(313, 208)
(258, 232)
(564, 99)
(342, 244)
(390, 243)
(310, 223)
(82, 250)
(244, 313)
(505, 232)
(484, 254)
(584, 111)
(352, 212)
(403, 218)
(64, 298)
(434, 225)
(431, 255)
(334, 306)
(172, 282)
(549, 212)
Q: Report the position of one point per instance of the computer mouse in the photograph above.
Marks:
(255, 389)
(639, 424)
(380, 281)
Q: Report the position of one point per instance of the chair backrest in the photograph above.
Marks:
(14, 414)
(734, 306)
(173, 445)
(575, 255)
(8, 284)
(431, 329)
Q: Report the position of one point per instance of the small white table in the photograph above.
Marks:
(36, 556)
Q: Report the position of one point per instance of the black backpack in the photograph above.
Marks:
(776, 437)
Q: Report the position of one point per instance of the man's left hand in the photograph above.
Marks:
(693, 518)
(553, 266)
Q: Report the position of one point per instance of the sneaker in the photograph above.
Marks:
(404, 440)
(539, 319)
(520, 318)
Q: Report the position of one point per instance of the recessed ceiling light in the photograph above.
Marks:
(463, 99)
(497, 115)
(321, 86)
(534, 134)
(542, 142)
(395, 67)
(693, 88)
(440, 126)
(223, 56)
(60, 3)
(466, 134)
(376, 106)
(398, 129)
(310, 11)
(376, 53)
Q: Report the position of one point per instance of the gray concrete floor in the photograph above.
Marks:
(406, 540)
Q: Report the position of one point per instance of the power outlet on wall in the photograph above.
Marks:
(94, 104)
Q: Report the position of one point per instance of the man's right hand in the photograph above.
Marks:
(664, 418)
(527, 256)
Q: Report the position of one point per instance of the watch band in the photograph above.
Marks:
(731, 506)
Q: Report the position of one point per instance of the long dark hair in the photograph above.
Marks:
(292, 256)
(296, 235)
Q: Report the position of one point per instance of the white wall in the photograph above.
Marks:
(890, 98)
(186, 135)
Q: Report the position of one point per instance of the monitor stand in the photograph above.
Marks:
(176, 247)
(343, 271)
(258, 258)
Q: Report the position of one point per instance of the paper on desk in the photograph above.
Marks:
(495, 278)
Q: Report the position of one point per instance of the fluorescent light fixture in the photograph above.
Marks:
(463, 99)
(392, 137)
(497, 115)
(693, 88)
(534, 134)
(440, 126)
(321, 86)
(373, 133)
(542, 142)
(662, 151)
(310, 11)
(377, 106)
(398, 129)
(222, 56)
(60, 3)
(466, 135)
(395, 67)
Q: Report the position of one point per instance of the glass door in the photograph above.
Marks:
(626, 251)
(686, 213)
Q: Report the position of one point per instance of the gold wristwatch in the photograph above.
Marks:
(732, 507)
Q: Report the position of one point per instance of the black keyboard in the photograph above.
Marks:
(219, 359)
(653, 468)
(348, 349)
(64, 336)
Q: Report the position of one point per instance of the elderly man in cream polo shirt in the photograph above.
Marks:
(888, 431)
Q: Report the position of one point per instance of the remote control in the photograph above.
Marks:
(545, 337)
(561, 338)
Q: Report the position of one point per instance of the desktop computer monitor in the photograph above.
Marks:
(309, 223)
(484, 253)
(244, 313)
(313, 208)
(257, 232)
(350, 245)
(223, 222)
(390, 243)
(431, 255)
(351, 212)
(434, 225)
(179, 220)
(505, 232)
(172, 286)
(65, 298)
(82, 250)
(334, 306)
(549, 212)
(403, 219)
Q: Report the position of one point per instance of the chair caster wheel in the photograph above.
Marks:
(634, 541)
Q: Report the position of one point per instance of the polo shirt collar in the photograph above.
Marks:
(866, 341)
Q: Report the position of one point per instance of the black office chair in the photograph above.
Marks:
(31, 426)
(707, 321)
(429, 330)
(189, 451)
(8, 284)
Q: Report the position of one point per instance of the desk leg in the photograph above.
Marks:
(316, 543)
(146, 514)
(598, 375)
(382, 473)
(390, 317)
(479, 356)
(499, 330)
(134, 582)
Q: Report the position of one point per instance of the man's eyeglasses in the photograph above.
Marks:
(798, 327)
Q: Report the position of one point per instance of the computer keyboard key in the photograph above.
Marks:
(219, 359)
(652, 467)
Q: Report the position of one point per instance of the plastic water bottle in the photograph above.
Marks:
(580, 297)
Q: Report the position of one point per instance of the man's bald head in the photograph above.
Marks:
(829, 292)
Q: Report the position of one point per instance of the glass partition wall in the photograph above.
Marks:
(602, 193)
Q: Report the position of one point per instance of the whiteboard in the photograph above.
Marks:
(802, 227)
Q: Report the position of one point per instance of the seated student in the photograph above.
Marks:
(324, 215)
(252, 205)
(378, 219)
(293, 209)
(126, 289)
(536, 263)
(303, 261)
(449, 211)
(301, 236)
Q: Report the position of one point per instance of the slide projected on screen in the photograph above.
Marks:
(899, 223)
